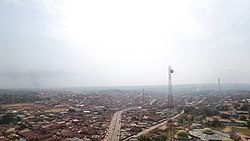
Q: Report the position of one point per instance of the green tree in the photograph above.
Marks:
(208, 111)
(71, 110)
(8, 118)
(33, 139)
(242, 117)
(248, 124)
(161, 137)
(216, 122)
(144, 138)
(249, 112)
(244, 107)
(23, 126)
(181, 119)
(226, 116)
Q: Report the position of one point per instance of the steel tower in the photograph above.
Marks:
(219, 84)
(170, 93)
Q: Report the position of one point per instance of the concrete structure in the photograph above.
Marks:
(207, 134)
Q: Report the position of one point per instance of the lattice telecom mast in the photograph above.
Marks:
(219, 84)
(170, 93)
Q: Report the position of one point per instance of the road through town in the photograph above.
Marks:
(154, 127)
(113, 133)
(160, 124)
(114, 128)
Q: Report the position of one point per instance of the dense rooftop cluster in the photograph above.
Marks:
(58, 115)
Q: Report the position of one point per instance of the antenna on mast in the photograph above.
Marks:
(219, 87)
(170, 93)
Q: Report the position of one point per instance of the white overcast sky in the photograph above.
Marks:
(74, 43)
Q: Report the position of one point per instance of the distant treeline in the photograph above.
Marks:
(18, 96)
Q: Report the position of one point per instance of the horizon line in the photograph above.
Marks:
(107, 86)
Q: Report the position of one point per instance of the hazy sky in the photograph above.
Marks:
(67, 43)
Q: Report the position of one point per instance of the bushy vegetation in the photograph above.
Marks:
(204, 110)
(144, 138)
(14, 96)
(9, 118)
(161, 137)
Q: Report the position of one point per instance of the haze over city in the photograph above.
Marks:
(131, 70)
(74, 43)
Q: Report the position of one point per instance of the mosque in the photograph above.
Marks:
(205, 134)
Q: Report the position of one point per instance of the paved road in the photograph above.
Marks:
(160, 124)
(114, 128)
(199, 102)
(154, 127)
